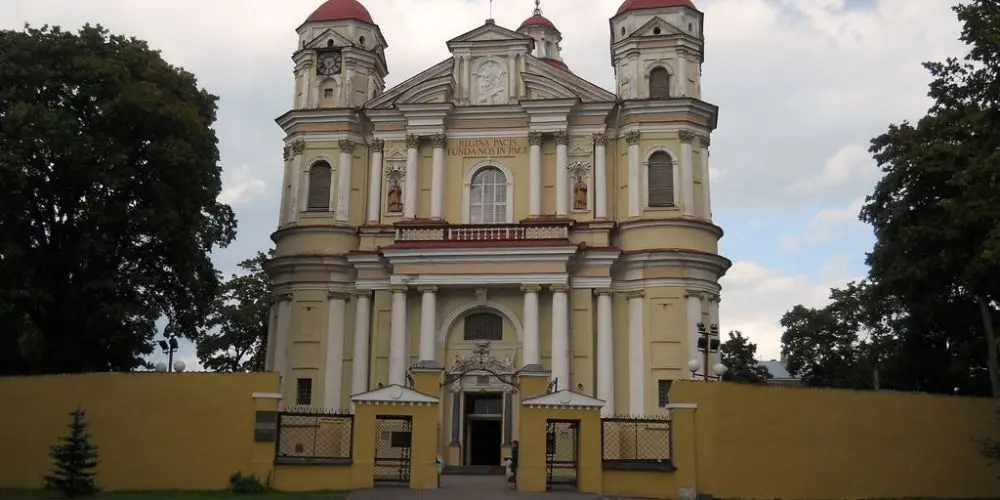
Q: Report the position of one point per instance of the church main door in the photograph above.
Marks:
(483, 429)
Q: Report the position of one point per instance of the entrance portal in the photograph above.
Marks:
(483, 429)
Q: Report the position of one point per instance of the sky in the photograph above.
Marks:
(802, 87)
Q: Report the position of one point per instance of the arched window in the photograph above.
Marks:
(659, 83)
(483, 326)
(660, 180)
(320, 176)
(488, 197)
(548, 49)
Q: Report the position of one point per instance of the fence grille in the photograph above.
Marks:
(314, 435)
(562, 454)
(641, 442)
(393, 439)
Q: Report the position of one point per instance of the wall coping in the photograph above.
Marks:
(267, 395)
(681, 406)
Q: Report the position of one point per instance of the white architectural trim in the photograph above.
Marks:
(659, 62)
(395, 395)
(445, 326)
(644, 175)
(681, 406)
(479, 279)
(467, 187)
(565, 399)
(450, 255)
(267, 395)
(318, 158)
(591, 282)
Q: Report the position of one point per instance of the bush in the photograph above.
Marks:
(239, 483)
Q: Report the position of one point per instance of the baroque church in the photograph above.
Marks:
(496, 216)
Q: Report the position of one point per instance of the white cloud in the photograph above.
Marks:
(827, 225)
(239, 187)
(849, 164)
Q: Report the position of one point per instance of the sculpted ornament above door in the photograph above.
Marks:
(491, 83)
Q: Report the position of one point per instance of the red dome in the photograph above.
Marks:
(559, 64)
(653, 4)
(538, 20)
(340, 10)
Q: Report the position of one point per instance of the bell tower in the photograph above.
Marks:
(340, 61)
(657, 48)
(547, 37)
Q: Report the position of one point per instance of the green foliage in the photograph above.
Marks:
(110, 170)
(74, 459)
(740, 357)
(240, 484)
(237, 337)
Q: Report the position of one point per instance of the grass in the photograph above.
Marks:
(179, 495)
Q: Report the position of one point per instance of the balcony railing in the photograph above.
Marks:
(482, 232)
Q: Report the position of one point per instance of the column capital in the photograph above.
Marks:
(562, 137)
(705, 140)
(603, 291)
(686, 136)
(531, 288)
(286, 153)
(559, 288)
(298, 146)
(398, 289)
(600, 139)
(714, 297)
(535, 138)
(438, 140)
(346, 145)
(693, 293)
(635, 294)
(412, 141)
(336, 295)
(427, 289)
(282, 297)
(362, 293)
(632, 137)
(377, 145)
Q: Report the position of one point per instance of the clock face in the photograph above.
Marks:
(329, 63)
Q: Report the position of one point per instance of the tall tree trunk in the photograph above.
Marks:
(991, 344)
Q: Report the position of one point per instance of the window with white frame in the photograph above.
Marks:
(320, 184)
(488, 197)
(660, 180)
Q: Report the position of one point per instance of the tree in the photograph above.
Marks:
(237, 337)
(74, 459)
(110, 171)
(740, 357)
(820, 347)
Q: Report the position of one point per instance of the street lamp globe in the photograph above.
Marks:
(161, 367)
(179, 365)
(694, 365)
(720, 369)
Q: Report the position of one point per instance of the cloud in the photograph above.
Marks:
(239, 187)
(851, 164)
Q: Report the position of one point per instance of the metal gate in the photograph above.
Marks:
(393, 437)
(562, 454)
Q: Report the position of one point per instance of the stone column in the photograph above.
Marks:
(397, 337)
(706, 190)
(687, 172)
(297, 203)
(375, 182)
(560, 335)
(282, 335)
(437, 175)
(412, 177)
(713, 319)
(682, 79)
(428, 323)
(529, 348)
(362, 341)
(333, 378)
(344, 180)
(272, 331)
(693, 317)
(605, 352)
(636, 353)
(287, 194)
(634, 177)
(456, 415)
(508, 415)
(535, 174)
(600, 176)
(562, 174)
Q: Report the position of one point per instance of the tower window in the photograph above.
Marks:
(303, 391)
(660, 180)
(483, 326)
(657, 30)
(663, 392)
(659, 83)
(329, 43)
(328, 93)
(548, 49)
(361, 41)
(320, 177)
(623, 31)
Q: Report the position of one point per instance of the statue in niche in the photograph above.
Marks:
(580, 194)
(394, 194)
(491, 84)
(580, 173)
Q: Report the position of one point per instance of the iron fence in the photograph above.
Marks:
(642, 442)
(314, 436)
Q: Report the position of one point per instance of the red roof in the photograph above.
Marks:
(340, 10)
(653, 4)
(554, 62)
(538, 20)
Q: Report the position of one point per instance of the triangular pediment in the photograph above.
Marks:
(394, 394)
(323, 40)
(434, 84)
(489, 32)
(649, 29)
(564, 399)
(545, 81)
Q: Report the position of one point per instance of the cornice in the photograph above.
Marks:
(700, 224)
(326, 229)
(307, 262)
(468, 255)
(675, 105)
(481, 280)
(317, 116)
(674, 257)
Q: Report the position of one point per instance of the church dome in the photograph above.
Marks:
(538, 20)
(340, 10)
(629, 5)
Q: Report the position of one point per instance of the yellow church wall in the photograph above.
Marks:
(666, 340)
(582, 327)
(311, 238)
(531, 468)
(154, 431)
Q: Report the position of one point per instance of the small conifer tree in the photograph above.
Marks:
(75, 460)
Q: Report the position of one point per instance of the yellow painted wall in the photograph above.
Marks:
(154, 431)
(786, 442)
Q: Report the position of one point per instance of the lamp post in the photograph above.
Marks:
(708, 342)
(169, 346)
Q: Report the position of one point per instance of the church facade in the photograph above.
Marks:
(495, 216)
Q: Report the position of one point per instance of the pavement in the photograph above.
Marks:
(462, 487)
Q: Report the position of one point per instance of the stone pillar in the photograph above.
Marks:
(286, 193)
(535, 174)
(375, 182)
(282, 335)
(397, 337)
(296, 203)
(562, 174)
(682, 79)
(636, 353)
(713, 319)
(437, 175)
(456, 415)
(687, 172)
(600, 176)
(634, 177)
(605, 352)
(272, 331)
(362, 341)
(412, 177)
(560, 335)
(428, 323)
(706, 189)
(344, 180)
(508, 416)
(333, 374)
(693, 314)
(529, 348)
